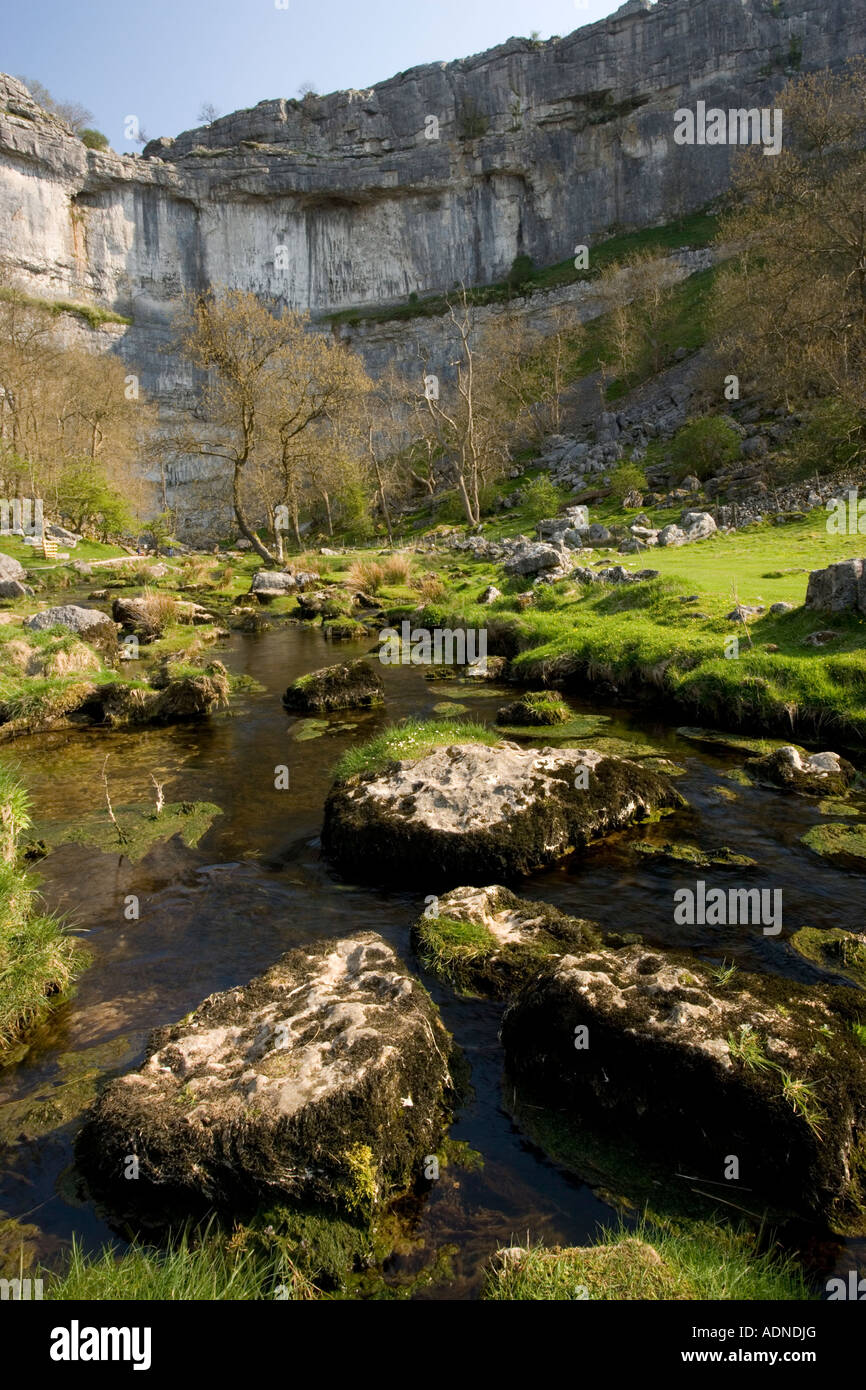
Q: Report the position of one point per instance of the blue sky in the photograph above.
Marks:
(160, 60)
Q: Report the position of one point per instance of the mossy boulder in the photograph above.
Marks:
(353, 685)
(843, 952)
(818, 774)
(487, 941)
(324, 1082)
(695, 1066)
(471, 813)
(536, 708)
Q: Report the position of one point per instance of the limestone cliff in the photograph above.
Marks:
(345, 200)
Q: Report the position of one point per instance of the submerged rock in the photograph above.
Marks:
(325, 1080)
(488, 941)
(471, 812)
(817, 774)
(355, 685)
(843, 952)
(661, 1052)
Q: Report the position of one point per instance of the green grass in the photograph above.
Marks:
(411, 738)
(196, 1273)
(37, 959)
(93, 314)
(642, 636)
(693, 1261)
(699, 229)
(449, 947)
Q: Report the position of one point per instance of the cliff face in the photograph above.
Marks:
(345, 200)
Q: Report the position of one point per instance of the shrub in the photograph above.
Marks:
(521, 271)
(625, 479)
(367, 575)
(703, 446)
(93, 139)
(397, 569)
(540, 498)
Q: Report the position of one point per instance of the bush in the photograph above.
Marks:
(521, 271)
(367, 575)
(703, 446)
(93, 139)
(625, 479)
(397, 569)
(540, 498)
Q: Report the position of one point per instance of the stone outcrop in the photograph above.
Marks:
(469, 813)
(325, 1080)
(840, 588)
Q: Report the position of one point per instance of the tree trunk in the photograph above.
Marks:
(243, 524)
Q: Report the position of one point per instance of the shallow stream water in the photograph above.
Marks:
(256, 885)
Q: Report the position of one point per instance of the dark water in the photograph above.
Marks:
(213, 916)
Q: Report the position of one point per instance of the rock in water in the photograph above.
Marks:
(325, 1080)
(355, 685)
(471, 813)
(487, 941)
(818, 774)
(654, 1051)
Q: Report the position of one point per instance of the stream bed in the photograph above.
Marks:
(256, 886)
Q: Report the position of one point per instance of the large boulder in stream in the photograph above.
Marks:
(353, 685)
(325, 1080)
(668, 1057)
(472, 813)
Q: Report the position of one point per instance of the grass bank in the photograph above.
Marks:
(38, 960)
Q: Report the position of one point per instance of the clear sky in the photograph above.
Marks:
(159, 60)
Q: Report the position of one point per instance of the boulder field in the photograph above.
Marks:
(324, 1081)
(471, 813)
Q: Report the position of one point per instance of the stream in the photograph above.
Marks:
(256, 886)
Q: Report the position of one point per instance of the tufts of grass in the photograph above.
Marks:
(411, 738)
(367, 575)
(38, 960)
(449, 947)
(694, 1261)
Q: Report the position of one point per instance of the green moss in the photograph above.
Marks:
(833, 949)
(361, 1188)
(845, 843)
(141, 828)
(694, 855)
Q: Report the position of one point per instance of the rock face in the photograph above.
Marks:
(695, 1071)
(818, 774)
(356, 685)
(325, 1080)
(470, 812)
(489, 942)
(839, 588)
(441, 175)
